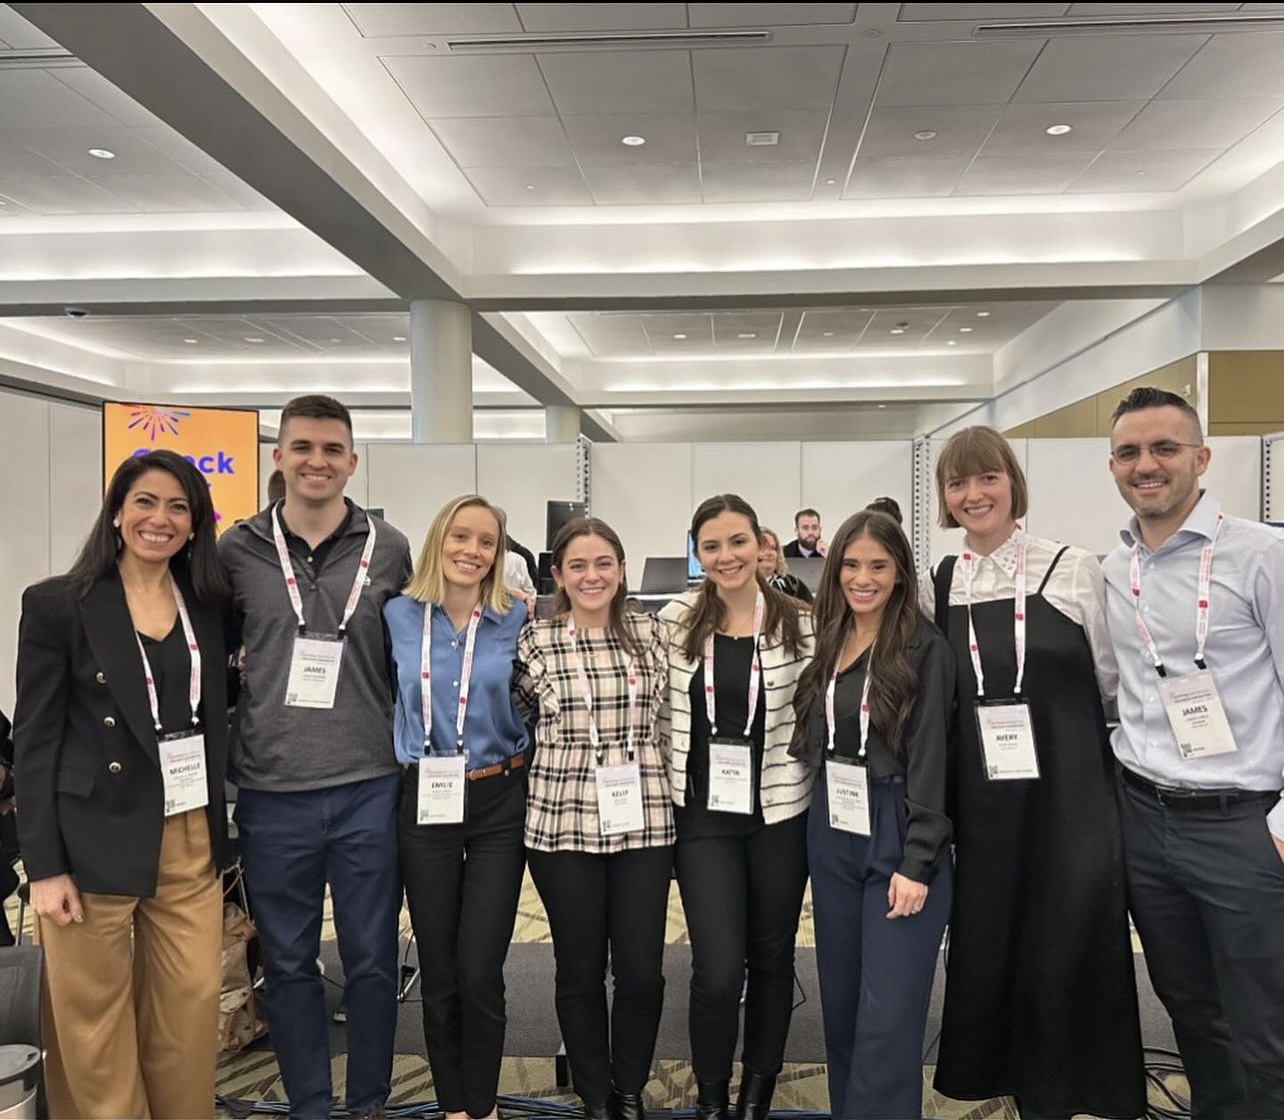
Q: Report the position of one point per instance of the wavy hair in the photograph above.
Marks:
(428, 582)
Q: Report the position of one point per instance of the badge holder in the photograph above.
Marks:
(314, 671)
(1005, 732)
(847, 784)
(1195, 712)
(619, 799)
(730, 775)
(182, 760)
(442, 793)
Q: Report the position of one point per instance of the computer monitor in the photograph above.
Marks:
(664, 574)
(558, 514)
(547, 585)
(807, 569)
(695, 572)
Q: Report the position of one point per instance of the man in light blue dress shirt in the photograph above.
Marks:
(1201, 748)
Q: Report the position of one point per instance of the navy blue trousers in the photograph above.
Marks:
(876, 973)
(292, 843)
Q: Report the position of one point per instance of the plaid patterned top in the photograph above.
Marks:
(561, 800)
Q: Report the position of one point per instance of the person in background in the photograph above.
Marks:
(120, 740)
(774, 570)
(313, 756)
(1196, 606)
(873, 710)
(889, 506)
(599, 823)
(8, 830)
(1040, 995)
(528, 558)
(736, 648)
(807, 539)
(512, 565)
(461, 744)
(275, 487)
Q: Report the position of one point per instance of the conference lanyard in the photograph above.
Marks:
(465, 677)
(586, 692)
(755, 667)
(1018, 616)
(1203, 591)
(194, 678)
(292, 585)
(864, 704)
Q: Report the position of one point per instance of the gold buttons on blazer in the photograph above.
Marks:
(114, 767)
(101, 678)
(109, 721)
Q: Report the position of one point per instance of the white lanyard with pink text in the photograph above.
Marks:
(442, 778)
(1005, 729)
(731, 759)
(619, 788)
(182, 755)
(847, 782)
(1192, 702)
(315, 661)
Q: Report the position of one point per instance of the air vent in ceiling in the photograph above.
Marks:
(1139, 25)
(613, 41)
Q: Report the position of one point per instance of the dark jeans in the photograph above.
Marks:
(875, 972)
(1206, 890)
(742, 896)
(595, 904)
(292, 843)
(463, 883)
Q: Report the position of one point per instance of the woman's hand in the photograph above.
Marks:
(905, 897)
(57, 899)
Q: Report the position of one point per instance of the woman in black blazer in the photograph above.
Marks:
(120, 737)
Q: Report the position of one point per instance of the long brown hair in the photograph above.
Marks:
(595, 527)
(892, 686)
(709, 612)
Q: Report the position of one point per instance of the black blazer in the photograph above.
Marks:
(89, 787)
(793, 550)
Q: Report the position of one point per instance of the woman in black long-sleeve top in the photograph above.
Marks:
(120, 735)
(873, 714)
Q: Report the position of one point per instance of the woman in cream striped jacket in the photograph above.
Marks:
(736, 650)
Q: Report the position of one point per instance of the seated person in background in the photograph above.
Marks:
(774, 570)
(8, 877)
(807, 539)
(889, 506)
(517, 576)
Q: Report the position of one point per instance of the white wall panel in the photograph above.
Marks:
(840, 478)
(523, 477)
(410, 482)
(767, 475)
(643, 491)
(75, 479)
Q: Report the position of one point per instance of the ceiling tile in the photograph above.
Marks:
(757, 182)
(832, 329)
(247, 198)
(602, 17)
(552, 186)
(669, 138)
(69, 148)
(377, 20)
(1119, 172)
(913, 322)
(722, 136)
(1015, 175)
(473, 86)
(611, 335)
(769, 15)
(181, 150)
(1193, 125)
(960, 131)
(644, 184)
(504, 141)
(619, 81)
(95, 88)
(1023, 128)
(16, 159)
(61, 194)
(1233, 66)
(911, 13)
(955, 73)
(736, 80)
(1107, 68)
(166, 194)
(904, 178)
(16, 32)
(732, 330)
(35, 99)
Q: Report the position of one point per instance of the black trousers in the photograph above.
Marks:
(742, 896)
(1206, 890)
(463, 883)
(598, 903)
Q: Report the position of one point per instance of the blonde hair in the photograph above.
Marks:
(782, 565)
(979, 450)
(428, 583)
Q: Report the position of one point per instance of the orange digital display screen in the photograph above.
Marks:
(222, 443)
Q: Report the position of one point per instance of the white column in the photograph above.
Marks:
(441, 372)
(561, 423)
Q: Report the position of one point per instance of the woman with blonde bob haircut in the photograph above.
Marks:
(1040, 997)
(462, 747)
(773, 568)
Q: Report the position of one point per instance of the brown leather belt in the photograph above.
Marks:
(505, 767)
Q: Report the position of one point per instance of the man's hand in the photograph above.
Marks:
(1279, 846)
(57, 899)
(822, 548)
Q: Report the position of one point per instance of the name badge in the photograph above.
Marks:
(182, 759)
(848, 784)
(314, 672)
(1196, 714)
(619, 799)
(1007, 740)
(441, 789)
(730, 776)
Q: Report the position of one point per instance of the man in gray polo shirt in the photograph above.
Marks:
(312, 754)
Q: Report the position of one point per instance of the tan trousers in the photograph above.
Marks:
(131, 993)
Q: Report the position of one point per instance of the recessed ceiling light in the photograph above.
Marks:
(679, 336)
(1142, 172)
(398, 338)
(897, 330)
(746, 334)
(336, 340)
(530, 186)
(253, 338)
(190, 341)
(966, 330)
(951, 342)
(882, 406)
(983, 314)
(101, 153)
(1058, 129)
(829, 334)
(831, 182)
(762, 139)
(926, 134)
(633, 141)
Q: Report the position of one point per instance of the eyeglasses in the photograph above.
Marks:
(1164, 449)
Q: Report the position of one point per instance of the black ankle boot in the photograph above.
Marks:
(713, 1100)
(626, 1106)
(596, 1112)
(754, 1102)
